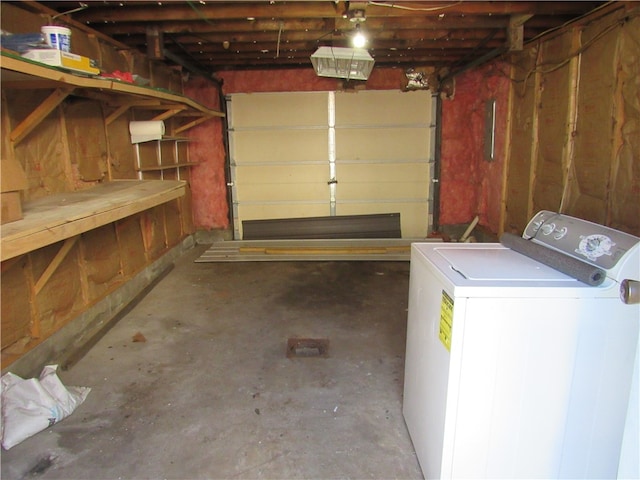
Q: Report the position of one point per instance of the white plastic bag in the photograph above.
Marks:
(30, 406)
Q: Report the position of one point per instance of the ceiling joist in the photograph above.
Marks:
(206, 36)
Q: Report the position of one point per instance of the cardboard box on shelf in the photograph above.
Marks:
(58, 58)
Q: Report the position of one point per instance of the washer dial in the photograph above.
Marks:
(594, 246)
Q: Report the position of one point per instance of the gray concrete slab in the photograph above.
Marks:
(210, 393)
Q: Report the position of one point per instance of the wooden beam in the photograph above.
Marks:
(116, 114)
(169, 166)
(34, 325)
(515, 32)
(568, 152)
(132, 102)
(169, 113)
(41, 8)
(155, 42)
(55, 263)
(516, 20)
(507, 149)
(535, 127)
(169, 11)
(189, 125)
(244, 31)
(40, 113)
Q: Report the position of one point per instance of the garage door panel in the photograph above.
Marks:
(381, 144)
(292, 146)
(269, 110)
(364, 108)
(282, 163)
(382, 173)
(291, 210)
(285, 174)
(282, 192)
(382, 191)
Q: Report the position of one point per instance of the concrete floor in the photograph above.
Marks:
(211, 393)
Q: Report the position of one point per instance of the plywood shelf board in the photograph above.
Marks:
(17, 69)
(166, 167)
(61, 216)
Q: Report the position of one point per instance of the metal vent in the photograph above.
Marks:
(307, 347)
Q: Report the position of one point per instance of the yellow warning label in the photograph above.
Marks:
(446, 320)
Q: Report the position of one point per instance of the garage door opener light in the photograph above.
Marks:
(341, 62)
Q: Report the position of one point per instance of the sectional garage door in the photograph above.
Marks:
(332, 153)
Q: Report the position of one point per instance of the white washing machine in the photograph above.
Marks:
(517, 370)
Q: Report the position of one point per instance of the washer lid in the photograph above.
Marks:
(498, 264)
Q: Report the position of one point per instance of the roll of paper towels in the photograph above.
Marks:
(146, 131)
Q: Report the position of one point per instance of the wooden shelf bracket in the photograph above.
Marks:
(55, 263)
(40, 113)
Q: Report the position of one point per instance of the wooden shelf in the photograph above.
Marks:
(58, 217)
(156, 168)
(171, 139)
(18, 72)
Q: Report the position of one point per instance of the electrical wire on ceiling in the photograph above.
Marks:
(332, 32)
(473, 53)
(68, 12)
(415, 9)
(553, 66)
(206, 20)
(546, 32)
(279, 36)
(199, 13)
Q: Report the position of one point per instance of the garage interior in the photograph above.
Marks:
(475, 116)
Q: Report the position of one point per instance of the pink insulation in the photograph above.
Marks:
(470, 185)
(208, 183)
(304, 80)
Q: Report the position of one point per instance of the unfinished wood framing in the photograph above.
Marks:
(96, 263)
(33, 120)
(62, 253)
(89, 225)
(574, 125)
(59, 217)
(17, 73)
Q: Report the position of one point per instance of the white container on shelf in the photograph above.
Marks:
(57, 37)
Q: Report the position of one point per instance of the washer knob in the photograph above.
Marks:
(560, 233)
(630, 291)
(548, 228)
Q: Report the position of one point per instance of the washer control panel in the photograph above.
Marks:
(592, 243)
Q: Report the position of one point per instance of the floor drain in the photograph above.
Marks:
(307, 347)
